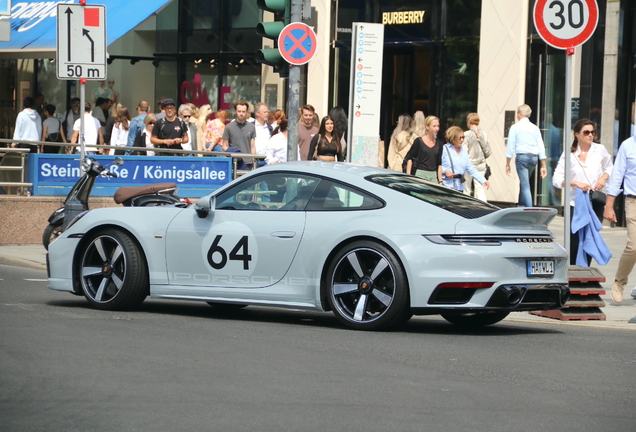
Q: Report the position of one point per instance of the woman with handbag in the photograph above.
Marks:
(590, 168)
(478, 148)
(52, 131)
(456, 163)
(424, 159)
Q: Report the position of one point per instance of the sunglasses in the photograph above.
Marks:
(151, 123)
(185, 116)
(588, 132)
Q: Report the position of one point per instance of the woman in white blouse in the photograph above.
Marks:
(590, 168)
(276, 150)
(119, 136)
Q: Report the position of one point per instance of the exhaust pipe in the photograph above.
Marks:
(565, 296)
(514, 296)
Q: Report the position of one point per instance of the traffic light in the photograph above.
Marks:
(271, 30)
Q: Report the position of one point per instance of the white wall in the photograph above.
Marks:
(318, 67)
(502, 79)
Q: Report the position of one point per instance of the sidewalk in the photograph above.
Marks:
(617, 315)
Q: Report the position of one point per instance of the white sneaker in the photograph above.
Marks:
(633, 293)
(617, 292)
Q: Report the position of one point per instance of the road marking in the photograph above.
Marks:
(36, 280)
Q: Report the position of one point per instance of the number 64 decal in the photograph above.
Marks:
(241, 245)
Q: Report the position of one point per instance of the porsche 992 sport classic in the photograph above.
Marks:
(373, 246)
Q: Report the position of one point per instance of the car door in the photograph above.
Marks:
(249, 240)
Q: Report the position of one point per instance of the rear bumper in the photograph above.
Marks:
(507, 297)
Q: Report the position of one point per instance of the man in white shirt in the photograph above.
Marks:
(624, 173)
(525, 141)
(28, 126)
(92, 132)
(263, 130)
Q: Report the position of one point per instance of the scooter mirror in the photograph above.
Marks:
(118, 161)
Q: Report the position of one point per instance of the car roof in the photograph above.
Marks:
(331, 169)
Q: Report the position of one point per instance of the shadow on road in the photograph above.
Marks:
(417, 325)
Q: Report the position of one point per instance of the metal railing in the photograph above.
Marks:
(9, 166)
(69, 147)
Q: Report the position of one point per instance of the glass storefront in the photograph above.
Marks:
(211, 56)
(430, 64)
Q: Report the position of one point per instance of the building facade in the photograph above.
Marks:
(445, 57)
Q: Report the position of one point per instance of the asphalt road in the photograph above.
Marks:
(184, 366)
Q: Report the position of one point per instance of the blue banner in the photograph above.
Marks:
(53, 174)
(34, 22)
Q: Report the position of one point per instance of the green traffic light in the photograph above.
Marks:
(272, 5)
(270, 57)
(270, 29)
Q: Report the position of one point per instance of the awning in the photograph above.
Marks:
(34, 31)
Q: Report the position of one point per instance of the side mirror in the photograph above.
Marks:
(204, 206)
(118, 161)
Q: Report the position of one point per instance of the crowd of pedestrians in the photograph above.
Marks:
(253, 130)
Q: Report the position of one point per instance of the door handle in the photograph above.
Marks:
(284, 234)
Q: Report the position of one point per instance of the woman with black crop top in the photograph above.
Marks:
(326, 145)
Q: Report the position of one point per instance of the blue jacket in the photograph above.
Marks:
(585, 222)
(136, 126)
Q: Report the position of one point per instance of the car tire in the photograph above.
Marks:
(367, 287)
(51, 233)
(475, 319)
(113, 271)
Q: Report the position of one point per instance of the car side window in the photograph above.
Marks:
(270, 192)
(331, 196)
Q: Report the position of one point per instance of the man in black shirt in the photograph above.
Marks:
(169, 132)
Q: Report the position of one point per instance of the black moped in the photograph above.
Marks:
(76, 201)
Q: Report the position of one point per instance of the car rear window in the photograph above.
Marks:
(439, 196)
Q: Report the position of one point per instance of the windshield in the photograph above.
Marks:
(439, 196)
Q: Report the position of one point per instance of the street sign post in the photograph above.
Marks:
(297, 43)
(365, 93)
(566, 24)
(81, 50)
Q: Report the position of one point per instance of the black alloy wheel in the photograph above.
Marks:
(113, 271)
(368, 288)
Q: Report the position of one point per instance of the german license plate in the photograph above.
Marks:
(540, 268)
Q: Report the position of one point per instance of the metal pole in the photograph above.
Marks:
(566, 148)
(81, 134)
(293, 94)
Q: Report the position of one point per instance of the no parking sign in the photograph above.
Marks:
(297, 43)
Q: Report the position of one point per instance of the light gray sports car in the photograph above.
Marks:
(371, 245)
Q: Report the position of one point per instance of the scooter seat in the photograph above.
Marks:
(127, 192)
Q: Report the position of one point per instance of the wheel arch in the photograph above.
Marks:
(77, 288)
(324, 292)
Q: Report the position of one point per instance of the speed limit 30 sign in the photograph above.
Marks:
(565, 24)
